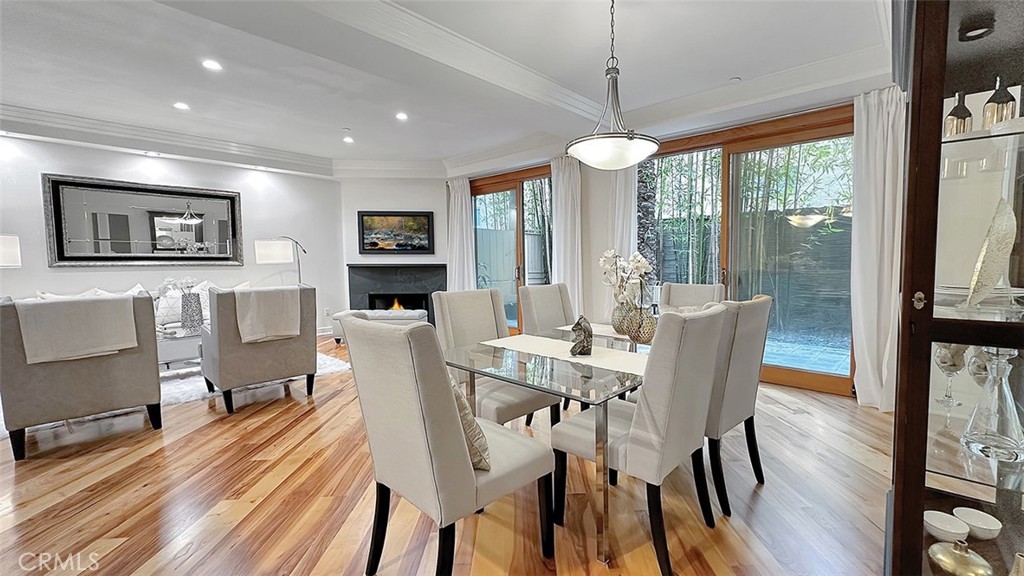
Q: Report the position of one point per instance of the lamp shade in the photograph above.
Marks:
(612, 150)
(274, 252)
(10, 251)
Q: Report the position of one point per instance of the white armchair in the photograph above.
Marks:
(689, 297)
(650, 439)
(474, 316)
(417, 443)
(744, 333)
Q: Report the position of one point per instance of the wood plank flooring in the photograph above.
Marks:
(285, 486)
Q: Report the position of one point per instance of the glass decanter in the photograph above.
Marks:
(951, 361)
(994, 429)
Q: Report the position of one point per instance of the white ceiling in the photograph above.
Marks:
(484, 82)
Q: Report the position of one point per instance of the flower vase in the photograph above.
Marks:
(641, 326)
(622, 312)
(191, 313)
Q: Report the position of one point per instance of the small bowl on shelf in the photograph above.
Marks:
(945, 527)
(982, 526)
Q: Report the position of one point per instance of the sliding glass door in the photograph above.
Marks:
(513, 235)
(790, 238)
(764, 209)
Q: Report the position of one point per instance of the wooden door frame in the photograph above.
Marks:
(822, 124)
(512, 182)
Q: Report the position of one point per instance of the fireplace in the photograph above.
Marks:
(375, 286)
(398, 301)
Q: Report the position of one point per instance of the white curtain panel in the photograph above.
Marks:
(461, 244)
(623, 222)
(879, 141)
(566, 233)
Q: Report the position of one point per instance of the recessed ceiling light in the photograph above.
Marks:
(402, 116)
(347, 140)
(182, 106)
(151, 153)
(260, 167)
(977, 27)
(735, 79)
(212, 65)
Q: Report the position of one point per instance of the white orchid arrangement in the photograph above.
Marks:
(627, 278)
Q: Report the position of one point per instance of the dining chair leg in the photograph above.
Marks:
(584, 407)
(445, 550)
(555, 412)
(613, 477)
(565, 404)
(658, 529)
(380, 528)
(309, 384)
(209, 385)
(717, 475)
(559, 504)
(547, 527)
(229, 403)
(755, 456)
(700, 482)
(529, 419)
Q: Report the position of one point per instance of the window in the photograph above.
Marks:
(767, 208)
(513, 233)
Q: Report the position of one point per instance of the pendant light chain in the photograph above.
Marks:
(612, 62)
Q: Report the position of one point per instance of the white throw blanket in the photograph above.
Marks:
(72, 328)
(267, 313)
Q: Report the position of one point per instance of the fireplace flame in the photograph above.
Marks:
(396, 305)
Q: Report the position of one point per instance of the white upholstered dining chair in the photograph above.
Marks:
(688, 297)
(417, 443)
(473, 316)
(744, 332)
(650, 439)
(546, 307)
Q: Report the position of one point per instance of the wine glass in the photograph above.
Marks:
(950, 360)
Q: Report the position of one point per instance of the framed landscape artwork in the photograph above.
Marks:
(396, 232)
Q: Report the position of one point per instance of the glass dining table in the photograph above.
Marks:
(562, 376)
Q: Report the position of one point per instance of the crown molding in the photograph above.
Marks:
(59, 126)
(346, 169)
(397, 25)
(529, 151)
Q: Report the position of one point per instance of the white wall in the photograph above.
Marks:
(308, 209)
(597, 190)
(391, 194)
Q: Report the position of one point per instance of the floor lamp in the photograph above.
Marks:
(280, 250)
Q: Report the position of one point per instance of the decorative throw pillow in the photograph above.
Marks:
(136, 290)
(168, 308)
(479, 453)
(203, 289)
(90, 292)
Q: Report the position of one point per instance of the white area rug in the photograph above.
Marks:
(187, 384)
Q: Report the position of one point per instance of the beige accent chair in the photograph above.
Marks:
(744, 332)
(228, 363)
(474, 316)
(417, 443)
(689, 297)
(47, 392)
(650, 439)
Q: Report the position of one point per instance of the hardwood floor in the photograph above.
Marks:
(285, 486)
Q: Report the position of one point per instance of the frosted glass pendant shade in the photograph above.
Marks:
(612, 150)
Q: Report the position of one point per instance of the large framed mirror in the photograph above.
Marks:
(98, 222)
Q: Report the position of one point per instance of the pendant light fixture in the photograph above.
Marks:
(619, 147)
(189, 217)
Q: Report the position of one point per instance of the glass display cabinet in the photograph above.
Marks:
(958, 461)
